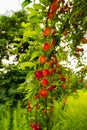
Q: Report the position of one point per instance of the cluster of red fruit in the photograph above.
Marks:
(53, 8)
(29, 107)
(79, 49)
(35, 126)
(48, 74)
(59, 5)
(42, 76)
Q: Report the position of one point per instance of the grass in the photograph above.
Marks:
(73, 117)
(13, 118)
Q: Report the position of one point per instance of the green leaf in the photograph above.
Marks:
(36, 54)
(32, 12)
(17, 39)
(37, 6)
(26, 2)
(27, 64)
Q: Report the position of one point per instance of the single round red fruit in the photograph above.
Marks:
(63, 86)
(38, 74)
(44, 111)
(77, 49)
(32, 124)
(63, 79)
(42, 59)
(37, 106)
(35, 128)
(46, 46)
(38, 126)
(46, 72)
(29, 109)
(51, 87)
(61, 10)
(53, 31)
(44, 82)
(43, 93)
(47, 31)
(51, 110)
(84, 40)
(81, 49)
(29, 103)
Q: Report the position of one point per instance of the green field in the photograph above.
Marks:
(72, 117)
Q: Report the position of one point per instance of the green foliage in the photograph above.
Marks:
(26, 2)
(10, 28)
(13, 118)
(9, 82)
(74, 115)
(69, 26)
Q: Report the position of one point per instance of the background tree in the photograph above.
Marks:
(10, 28)
(11, 75)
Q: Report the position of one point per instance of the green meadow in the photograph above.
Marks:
(72, 117)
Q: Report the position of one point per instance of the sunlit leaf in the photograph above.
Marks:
(26, 2)
(35, 55)
(27, 64)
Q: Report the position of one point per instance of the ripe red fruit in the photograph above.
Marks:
(37, 106)
(44, 111)
(38, 74)
(36, 96)
(29, 109)
(51, 110)
(32, 124)
(53, 7)
(53, 31)
(84, 40)
(44, 82)
(46, 46)
(53, 40)
(47, 31)
(45, 72)
(43, 93)
(77, 49)
(29, 103)
(51, 87)
(54, 59)
(61, 10)
(63, 79)
(38, 126)
(65, 32)
(81, 49)
(52, 71)
(50, 15)
(63, 86)
(42, 59)
(35, 128)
